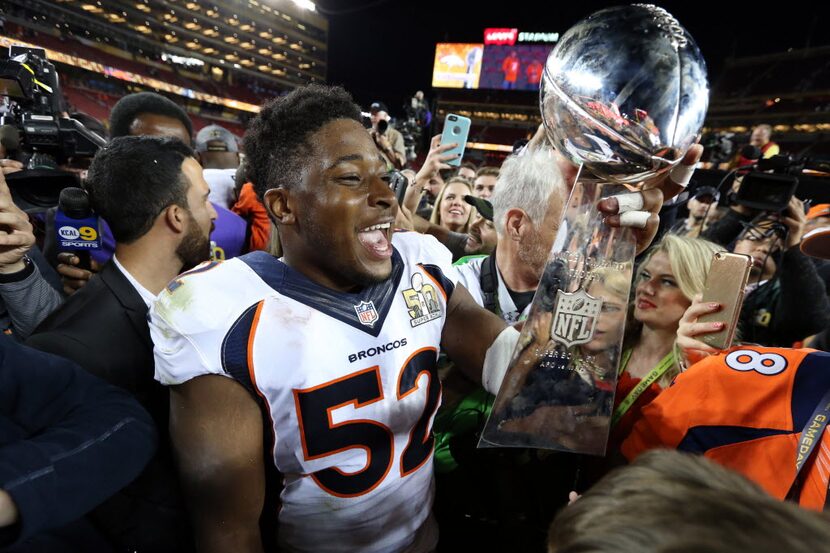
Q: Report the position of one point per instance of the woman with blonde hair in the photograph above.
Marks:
(451, 211)
(671, 274)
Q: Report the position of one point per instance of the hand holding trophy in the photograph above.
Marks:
(624, 96)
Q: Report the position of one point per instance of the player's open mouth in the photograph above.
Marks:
(376, 240)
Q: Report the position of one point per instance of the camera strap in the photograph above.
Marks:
(811, 436)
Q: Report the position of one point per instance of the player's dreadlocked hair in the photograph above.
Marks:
(276, 143)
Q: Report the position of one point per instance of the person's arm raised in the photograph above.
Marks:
(435, 161)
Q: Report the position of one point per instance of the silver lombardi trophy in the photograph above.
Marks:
(624, 96)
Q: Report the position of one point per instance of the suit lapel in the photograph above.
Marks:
(129, 298)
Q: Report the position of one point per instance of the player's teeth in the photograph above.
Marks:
(384, 226)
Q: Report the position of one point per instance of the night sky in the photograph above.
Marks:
(383, 50)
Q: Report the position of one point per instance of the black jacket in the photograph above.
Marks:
(103, 327)
(68, 440)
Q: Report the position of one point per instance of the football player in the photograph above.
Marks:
(320, 366)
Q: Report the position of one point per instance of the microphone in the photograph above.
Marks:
(751, 152)
(749, 158)
(77, 227)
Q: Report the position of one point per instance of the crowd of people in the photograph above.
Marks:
(270, 352)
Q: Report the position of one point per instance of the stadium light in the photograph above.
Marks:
(306, 5)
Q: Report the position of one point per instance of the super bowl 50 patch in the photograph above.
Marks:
(422, 301)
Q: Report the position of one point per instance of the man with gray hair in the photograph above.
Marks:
(527, 206)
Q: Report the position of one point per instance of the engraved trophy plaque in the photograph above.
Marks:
(624, 96)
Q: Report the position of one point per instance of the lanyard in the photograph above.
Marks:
(810, 436)
(638, 390)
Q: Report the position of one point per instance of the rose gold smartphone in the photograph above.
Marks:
(725, 284)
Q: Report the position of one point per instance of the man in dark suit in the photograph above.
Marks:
(68, 441)
(152, 193)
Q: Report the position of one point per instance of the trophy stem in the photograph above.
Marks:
(559, 389)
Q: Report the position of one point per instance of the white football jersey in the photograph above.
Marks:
(349, 380)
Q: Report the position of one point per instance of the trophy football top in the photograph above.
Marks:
(625, 93)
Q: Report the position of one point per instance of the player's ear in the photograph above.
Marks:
(278, 203)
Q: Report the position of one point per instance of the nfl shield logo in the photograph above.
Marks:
(366, 313)
(575, 317)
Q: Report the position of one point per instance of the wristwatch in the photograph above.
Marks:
(22, 274)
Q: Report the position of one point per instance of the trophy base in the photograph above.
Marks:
(558, 392)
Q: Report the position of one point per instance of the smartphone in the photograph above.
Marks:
(456, 130)
(398, 183)
(725, 284)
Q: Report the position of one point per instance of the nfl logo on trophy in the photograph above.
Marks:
(575, 318)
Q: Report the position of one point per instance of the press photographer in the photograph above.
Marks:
(46, 145)
(26, 297)
(786, 299)
(388, 140)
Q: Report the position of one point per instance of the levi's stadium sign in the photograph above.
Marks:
(510, 37)
(538, 37)
(500, 36)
